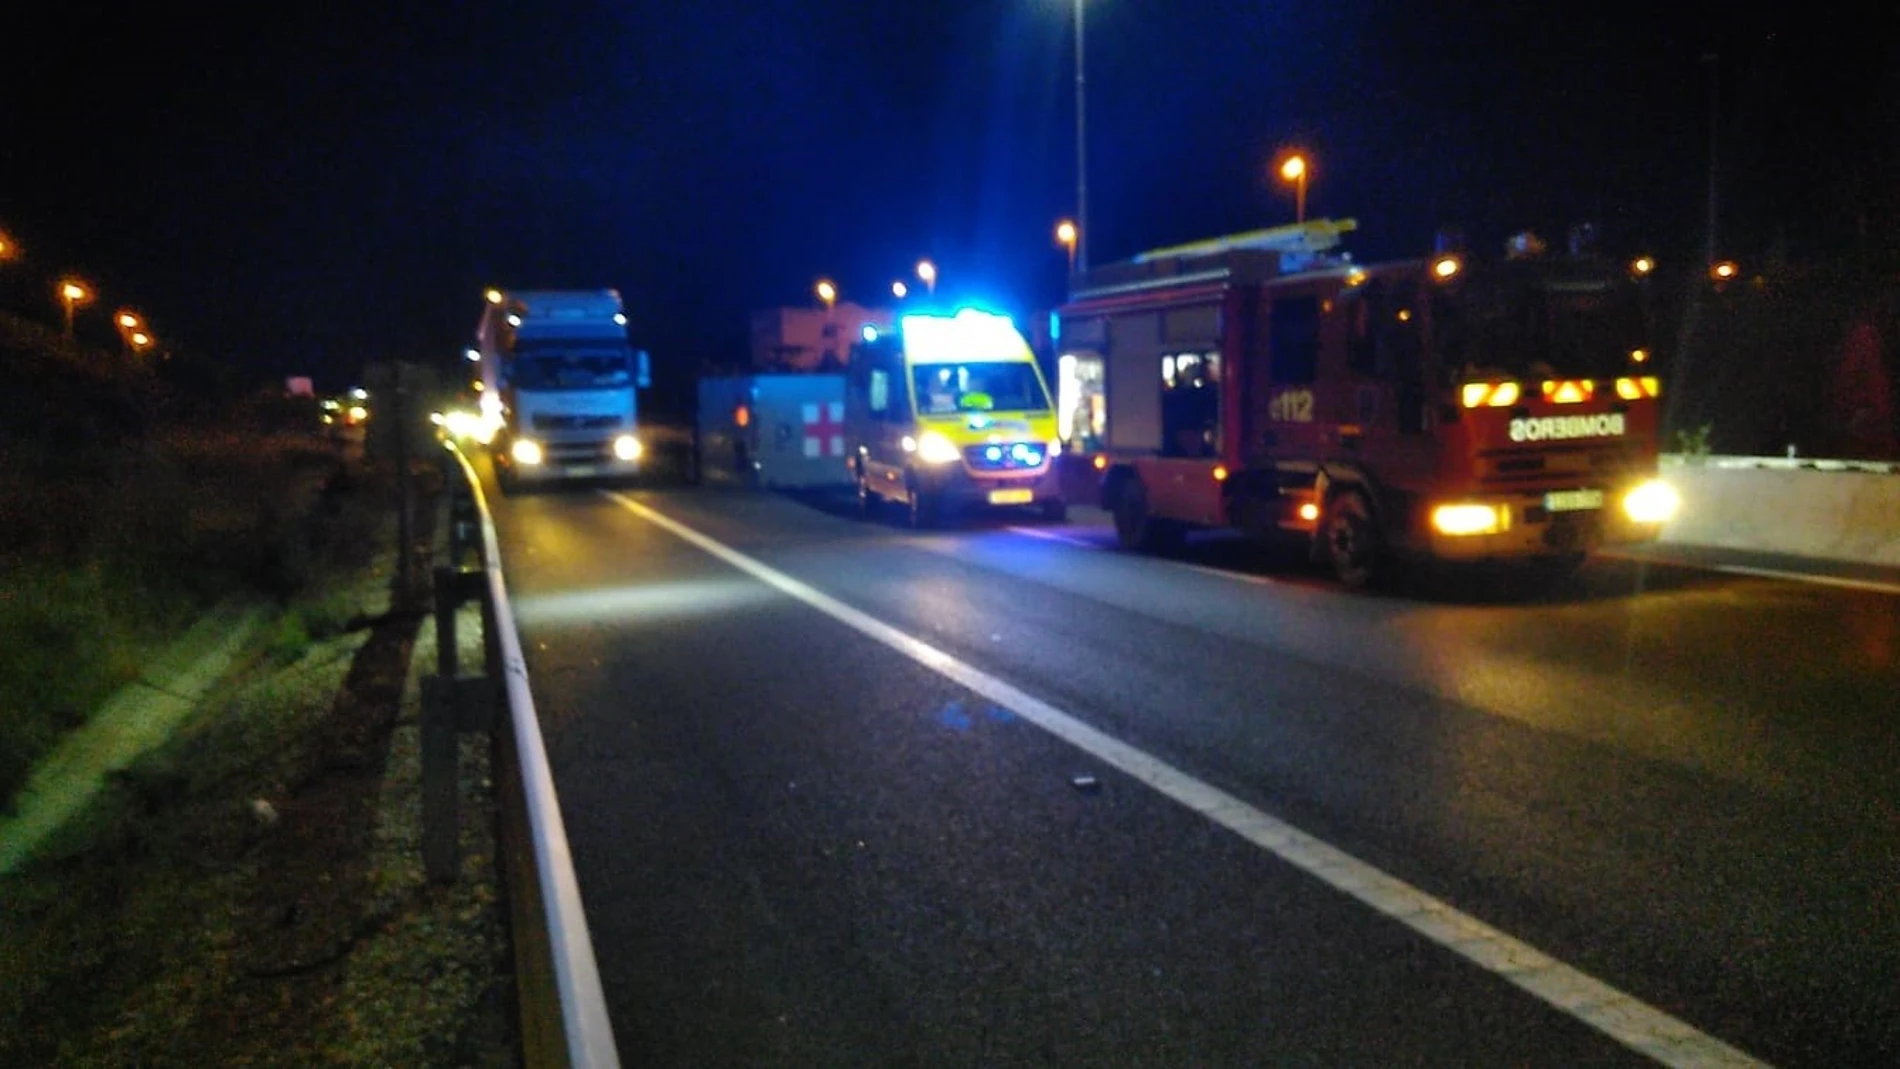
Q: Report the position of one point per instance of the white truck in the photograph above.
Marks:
(559, 384)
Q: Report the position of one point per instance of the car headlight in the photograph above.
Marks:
(525, 451)
(1654, 501)
(934, 448)
(627, 447)
(1467, 519)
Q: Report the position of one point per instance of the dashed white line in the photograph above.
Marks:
(1624, 1018)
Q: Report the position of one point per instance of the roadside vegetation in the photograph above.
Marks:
(130, 501)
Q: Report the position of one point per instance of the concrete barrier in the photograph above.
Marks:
(1831, 509)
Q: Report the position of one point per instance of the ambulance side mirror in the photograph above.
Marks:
(643, 375)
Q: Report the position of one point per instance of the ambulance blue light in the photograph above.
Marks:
(994, 453)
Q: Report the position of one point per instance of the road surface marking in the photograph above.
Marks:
(1052, 536)
(1873, 585)
(1624, 1018)
(1221, 573)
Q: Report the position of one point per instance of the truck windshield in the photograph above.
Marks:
(986, 386)
(1518, 323)
(571, 369)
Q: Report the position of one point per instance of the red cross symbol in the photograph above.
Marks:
(824, 429)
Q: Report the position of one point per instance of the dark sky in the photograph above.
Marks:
(309, 186)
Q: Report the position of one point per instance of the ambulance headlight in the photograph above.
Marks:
(934, 448)
(1654, 501)
(525, 452)
(627, 447)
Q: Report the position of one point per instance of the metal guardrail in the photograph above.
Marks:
(563, 1009)
(1864, 467)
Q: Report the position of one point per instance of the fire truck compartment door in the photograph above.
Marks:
(1134, 382)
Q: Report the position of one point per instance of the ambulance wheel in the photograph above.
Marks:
(1351, 540)
(1136, 529)
(926, 510)
(1055, 510)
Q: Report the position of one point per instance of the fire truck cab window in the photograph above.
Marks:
(1293, 340)
(1190, 404)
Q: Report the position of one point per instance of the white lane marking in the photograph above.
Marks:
(1238, 577)
(1874, 585)
(1624, 1018)
(1052, 536)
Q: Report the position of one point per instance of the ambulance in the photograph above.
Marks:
(949, 412)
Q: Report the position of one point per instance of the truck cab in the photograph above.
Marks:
(559, 382)
(947, 412)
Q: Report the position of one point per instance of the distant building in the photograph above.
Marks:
(811, 339)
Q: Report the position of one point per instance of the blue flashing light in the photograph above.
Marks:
(993, 453)
(869, 332)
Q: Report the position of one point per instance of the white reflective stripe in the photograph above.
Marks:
(1622, 1017)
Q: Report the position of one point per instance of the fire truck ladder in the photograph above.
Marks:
(1296, 240)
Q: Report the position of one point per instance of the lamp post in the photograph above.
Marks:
(827, 293)
(1294, 169)
(899, 290)
(72, 293)
(927, 271)
(1079, 251)
(1068, 237)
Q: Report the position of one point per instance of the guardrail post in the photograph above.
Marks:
(440, 825)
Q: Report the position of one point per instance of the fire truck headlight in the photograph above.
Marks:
(627, 447)
(525, 452)
(934, 448)
(1654, 501)
(1467, 519)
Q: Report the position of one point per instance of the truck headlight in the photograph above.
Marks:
(525, 451)
(934, 448)
(1654, 501)
(627, 447)
(1467, 519)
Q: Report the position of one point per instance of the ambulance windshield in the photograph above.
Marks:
(979, 386)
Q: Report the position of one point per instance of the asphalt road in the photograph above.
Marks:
(798, 845)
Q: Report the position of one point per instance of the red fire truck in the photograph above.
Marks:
(1445, 407)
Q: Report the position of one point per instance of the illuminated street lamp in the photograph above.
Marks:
(1642, 266)
(1067, 236)
(141, 340)
(129, 320)
(1724, 270)
(8, 248)
(1294, 169)
(927, 271)
(474, 355)
(827, 293)
(493, 296)
(72, 293)
(899, 290)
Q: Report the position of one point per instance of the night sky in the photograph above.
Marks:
(304, 187)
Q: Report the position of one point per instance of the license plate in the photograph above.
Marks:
(1012, 497)
(581, 471)
(1573, 500)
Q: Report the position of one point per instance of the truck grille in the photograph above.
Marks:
(551, 422)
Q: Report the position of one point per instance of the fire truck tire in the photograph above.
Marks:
(1352, 543)
(1137, 529)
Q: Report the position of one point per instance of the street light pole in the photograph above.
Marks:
(1715, 111)
(1081, 152)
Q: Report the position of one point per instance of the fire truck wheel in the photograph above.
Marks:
(1353, 545)
(1137, 529)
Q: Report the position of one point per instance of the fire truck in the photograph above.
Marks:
(1443, 407)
